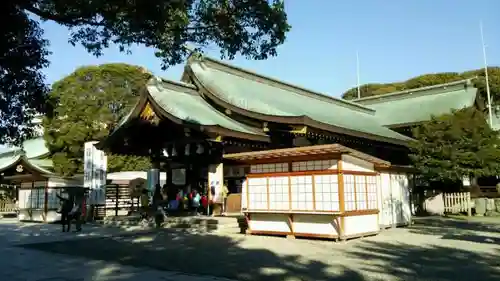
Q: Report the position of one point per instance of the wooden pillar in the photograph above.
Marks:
(46, 201)
(341, 198)
(188, 178)
(168, 166)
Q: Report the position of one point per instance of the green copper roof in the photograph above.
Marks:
(32, 154)
(253, 93)
(9, 160)
(417, 105)
(33, 148)
(182, 102)
(185, 103)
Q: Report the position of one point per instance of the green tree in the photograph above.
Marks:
(86, 106)
(425, 80)
(252, 28)
(369, 90)
(23, 54)
(455, 145)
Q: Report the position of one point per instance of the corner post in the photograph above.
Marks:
(341, 198)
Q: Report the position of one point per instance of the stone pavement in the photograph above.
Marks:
(21, 264)
(440, 249)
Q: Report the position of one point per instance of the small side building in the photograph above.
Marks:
(323, 191)
(28, 172)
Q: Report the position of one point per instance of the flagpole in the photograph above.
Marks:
(488, 94)
(357, 74)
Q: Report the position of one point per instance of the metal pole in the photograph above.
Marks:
(357, 74)
(488, 94)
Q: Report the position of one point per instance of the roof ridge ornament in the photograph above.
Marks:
(194, 53)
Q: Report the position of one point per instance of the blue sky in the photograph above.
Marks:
(395, 40)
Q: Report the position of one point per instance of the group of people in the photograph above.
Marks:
(176, 199)
(70, 209)
(173, 198)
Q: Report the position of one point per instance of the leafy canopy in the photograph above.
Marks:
(23, 54)
(455, 145)
(86, 106)
(253, 28)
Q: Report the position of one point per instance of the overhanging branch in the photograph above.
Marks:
(59, 18)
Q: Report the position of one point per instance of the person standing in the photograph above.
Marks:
(144, 203)
(224, 194)
(76, 213)
(66, 207)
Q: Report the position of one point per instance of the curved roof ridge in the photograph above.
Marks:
(421, 91)
(30, 147)
(194, 57)
(178, 84)
(192, 90)
(8, 162)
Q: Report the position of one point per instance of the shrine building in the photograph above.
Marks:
(275, 143)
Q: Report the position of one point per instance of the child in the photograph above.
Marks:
(204, 203)
(196, 201)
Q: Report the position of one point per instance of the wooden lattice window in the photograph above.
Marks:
(371, 190)
(302, 193)
(317, 165)
(257, 193)
(361, 198)
(349, 193)
(326, 188)
(269, 168)
(278, 193)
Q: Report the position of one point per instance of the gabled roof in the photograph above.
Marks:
(33, 148)
(418, 105)
(11, 160)
(31, 155)
(182, 104)
(268, 99)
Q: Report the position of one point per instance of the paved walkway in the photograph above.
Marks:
(22, 264)
(430, 250)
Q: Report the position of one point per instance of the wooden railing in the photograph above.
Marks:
(457, 202)
(8, 207)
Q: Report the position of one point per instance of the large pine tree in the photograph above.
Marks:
(86, 106)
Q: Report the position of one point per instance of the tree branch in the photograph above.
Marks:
(60, 19)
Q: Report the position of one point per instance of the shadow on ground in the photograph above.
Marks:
(209, 255)
(223, 256)
(408, 262)
(13, 232)
(458, 229)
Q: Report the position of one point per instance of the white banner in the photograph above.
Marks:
(215, 182)
(95, 168)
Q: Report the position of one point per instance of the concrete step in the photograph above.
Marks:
(189, 224)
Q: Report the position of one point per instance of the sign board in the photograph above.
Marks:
(215, 182)
(179, 176)
(95, 168)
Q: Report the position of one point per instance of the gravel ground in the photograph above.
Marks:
(432, 249)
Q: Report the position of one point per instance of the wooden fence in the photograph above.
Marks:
(457, 202)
